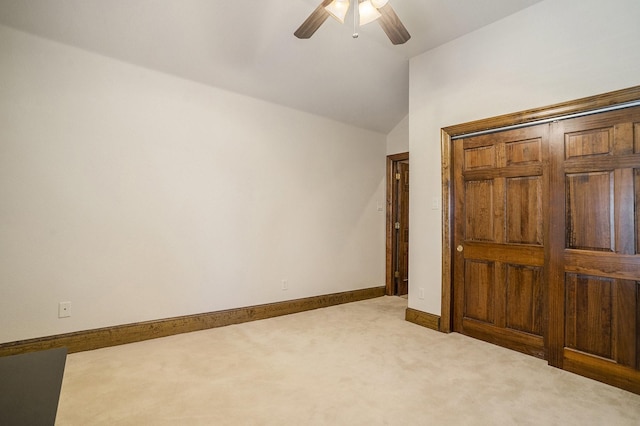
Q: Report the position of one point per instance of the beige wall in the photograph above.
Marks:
(398, 138)
(137, 195)
(554, 51)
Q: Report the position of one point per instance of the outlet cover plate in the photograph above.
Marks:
(64, 309)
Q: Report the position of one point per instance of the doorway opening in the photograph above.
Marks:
(397, 229)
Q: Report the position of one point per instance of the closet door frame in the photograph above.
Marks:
(531, 116)
(584, 106)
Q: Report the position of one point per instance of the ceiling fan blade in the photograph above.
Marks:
(314, 21)
(392, 25)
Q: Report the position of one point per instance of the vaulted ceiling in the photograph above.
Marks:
(248, 47)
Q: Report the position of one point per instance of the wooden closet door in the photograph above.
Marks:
(500, 188)
(594, 308)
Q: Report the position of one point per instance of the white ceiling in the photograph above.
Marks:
(248, 47)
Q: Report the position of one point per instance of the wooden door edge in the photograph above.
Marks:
(446, 314)
(391, 160)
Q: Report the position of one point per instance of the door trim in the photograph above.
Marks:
(391, 200)
(524, 117)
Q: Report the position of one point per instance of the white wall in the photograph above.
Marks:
(137, 195)
(398, 138)
(554, 51)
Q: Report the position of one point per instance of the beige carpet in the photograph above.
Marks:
(355, 364)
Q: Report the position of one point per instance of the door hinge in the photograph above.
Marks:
(397, 225)
(398, 176)
(396, 274)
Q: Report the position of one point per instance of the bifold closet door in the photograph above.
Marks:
(500, 188)
(594, 286)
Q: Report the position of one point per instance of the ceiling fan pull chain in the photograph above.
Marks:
(356, 18)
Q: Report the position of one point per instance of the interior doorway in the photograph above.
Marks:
(397, 247)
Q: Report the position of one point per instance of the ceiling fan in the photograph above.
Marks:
(366, 11)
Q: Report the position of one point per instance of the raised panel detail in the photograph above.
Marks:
(589, 211)
(478, 158)
(525, 299)
(479, 210)
(524, 210)
(589, 314)
(479, 284)
(627, 323)
(636, 138)
(588, 143)
(524, 152)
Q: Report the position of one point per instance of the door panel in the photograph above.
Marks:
(480, 158)
(479, 290)
(479, 212)
(596, 269)
(524, 210)
(524, 152)
(525, 299)
(590, 228)
(499, 188)
(588, 143)
(589, 313)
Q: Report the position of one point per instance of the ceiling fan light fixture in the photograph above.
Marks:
(379, 3)
(338, 9)
(368, 13)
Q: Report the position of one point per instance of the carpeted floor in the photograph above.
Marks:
(354, 364)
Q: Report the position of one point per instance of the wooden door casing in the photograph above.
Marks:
(500, 182)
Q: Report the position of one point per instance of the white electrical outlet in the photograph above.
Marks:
(285, 285)
(435, 203)
(421, 293)
(64, 309)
